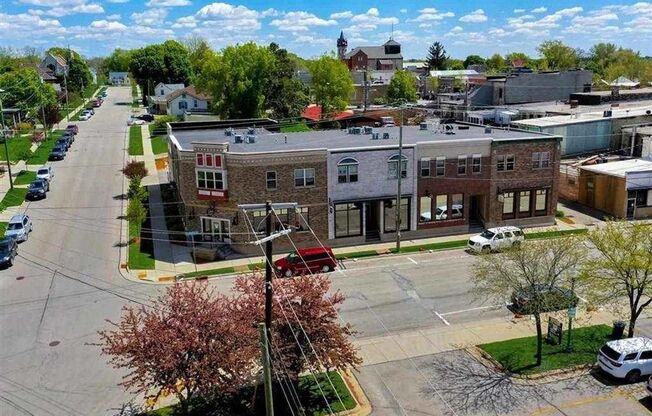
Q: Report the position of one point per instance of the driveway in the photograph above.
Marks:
(66, 280)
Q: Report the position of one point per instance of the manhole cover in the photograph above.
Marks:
(20, 277)
(54, 343)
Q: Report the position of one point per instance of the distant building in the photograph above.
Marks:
(386, 57)
(52, 70)
(161, 89)
(118, 78)
(180, 101)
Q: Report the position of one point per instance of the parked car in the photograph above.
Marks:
(85, 115)
(96, 102)
(551, 298)
(38, 189)
(45, 172)
(495, 239)
(73, 128)
(146, 117)
(131, 121)
(90, 109)
(8, 251)
(306, 260)
(387, 121)
(441, 213)
(628, 358)
(63, 143)
(57, 153)
(19, 227)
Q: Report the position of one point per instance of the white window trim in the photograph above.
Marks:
(224, 181)
(399, 166)
(227, 237)
(425, 160)
(465, 159)
(267, 180)
(347, 162)
(473, 159)
(437, 160)
(305, 170)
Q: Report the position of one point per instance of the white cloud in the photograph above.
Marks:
(476, 16)
(540, 10)
(430, 14)
(230, 21)
(403, 11)
(24, 25)
(91, 8)
(519, 11)
(113, 17)
(108, 25)
(300, 21)
(312, 40)
(425, 25)
(372, 18)
(168, 3)
(457, 29)
(150, 17)
(342, 15)
(185, 22)
(117, 1)
(226, 11)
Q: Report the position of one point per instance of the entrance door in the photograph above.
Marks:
(475, 211)
(372, 226)
(215, 229)
(631, 207)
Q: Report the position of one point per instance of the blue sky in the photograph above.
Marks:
(96, 27)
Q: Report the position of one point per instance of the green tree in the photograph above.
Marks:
(286, 96)
(167, 62)
(79, 75)
(332, 85)
(118, 61)
(199, 52)
(455, 64)
(436, 56)
(473, 60)
(24, 89)
(558, 56)
(403, 86)
(238, 79)
(520, 56)
(496, 63)
(136, 212)
(602, 55)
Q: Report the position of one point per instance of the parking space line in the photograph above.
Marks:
(479, 308)
(412, 260)
(442, 318)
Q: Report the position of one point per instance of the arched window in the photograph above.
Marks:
(392, 167)
(347, 170)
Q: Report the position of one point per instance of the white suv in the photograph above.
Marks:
(628, 358)
(495, 239)
(45, 172)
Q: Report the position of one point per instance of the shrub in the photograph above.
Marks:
(159, 122)
(136, 191)
(379, 101)
(135, 169)
(560, 214)
(24, 127)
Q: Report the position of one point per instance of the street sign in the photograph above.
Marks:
(572, 312)
(554, 331)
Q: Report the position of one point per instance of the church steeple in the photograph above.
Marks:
(342, 45)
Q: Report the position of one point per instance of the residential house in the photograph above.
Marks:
(385, 57)
(119, 78)
(158, 102)
(621, 189)
(455, 177)
(161, 89)
(182, 101)
(52, 70)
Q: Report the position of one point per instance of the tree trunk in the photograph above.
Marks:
(537, 320)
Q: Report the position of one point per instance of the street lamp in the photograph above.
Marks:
(4, 139)
(401, 105)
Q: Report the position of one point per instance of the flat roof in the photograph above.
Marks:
(267, 141)
(620, 168)
(607, 93)
(584, 117)
(562, 108)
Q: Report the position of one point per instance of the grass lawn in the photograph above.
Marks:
(139, 257)
(3, 227)
(18, 148)
(135, 141)
(295, 128)
(13, 198)
(517, 355)
(159, 145)
(24, 177)
(40, 156)
(309, 395)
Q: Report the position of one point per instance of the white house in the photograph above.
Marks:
(179, 102)
(118, 78)
(162, 89)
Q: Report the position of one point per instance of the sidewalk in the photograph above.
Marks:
(417, 343)
(4, 188)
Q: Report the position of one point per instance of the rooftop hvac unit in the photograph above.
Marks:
(423, 126)
(251, 130)
(250, 139)
(368, 130)
(375, 136)
(385, 136)
(238, 138)
(487, 130)
(463, 127)
(228, 132)
(350, 130)
(356, 130)
(607, 113)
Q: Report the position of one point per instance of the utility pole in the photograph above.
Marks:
(65, 83)
(267, 371)
(4, 139)
(365, 90)
(268, 269)
(398, 186)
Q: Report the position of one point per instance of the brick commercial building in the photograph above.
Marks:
(454, 177)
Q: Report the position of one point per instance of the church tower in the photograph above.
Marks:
(341, 46)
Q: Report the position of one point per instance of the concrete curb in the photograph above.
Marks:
(363, 407)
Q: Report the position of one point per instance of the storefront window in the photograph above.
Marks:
(541, 199)
(524, 201)
(390, 215)
(348, 220)
(508, 203)
(457, 209)
(441, 209)
(425, 209)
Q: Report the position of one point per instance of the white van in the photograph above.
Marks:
(628, 358)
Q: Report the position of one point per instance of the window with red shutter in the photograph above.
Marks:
(200, 159)
(209, 159)
(218, 161)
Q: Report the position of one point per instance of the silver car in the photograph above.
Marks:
(19, 227)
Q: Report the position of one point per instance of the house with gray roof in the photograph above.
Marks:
(385, 57)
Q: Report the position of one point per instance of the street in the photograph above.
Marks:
(67, 281)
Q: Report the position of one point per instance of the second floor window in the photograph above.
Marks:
(540, 160)
(392, 167)
(183, 105)
(209, 179)
(505, 163)
(461, 165)
(271, 180)
(476, 164)
(425, 167)
(304, 177)
(440, 168)
(347, 170)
